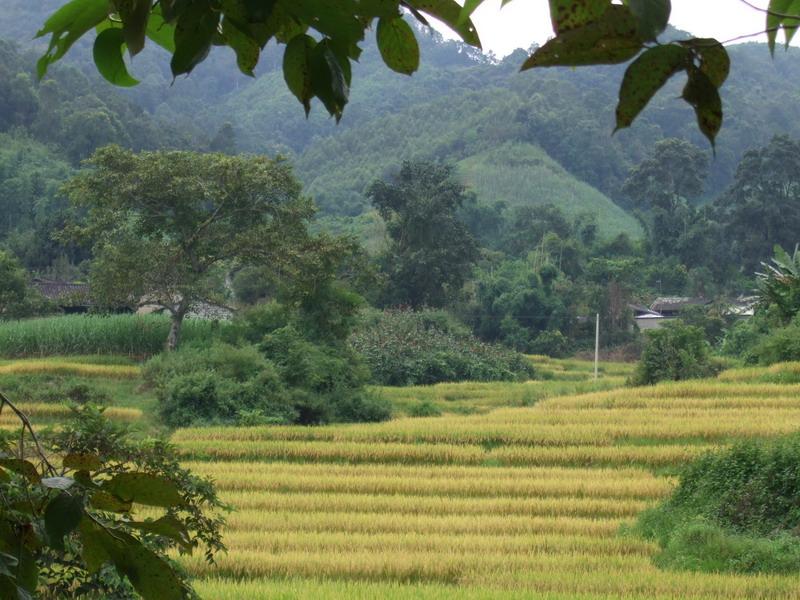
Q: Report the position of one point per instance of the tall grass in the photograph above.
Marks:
(129, 335)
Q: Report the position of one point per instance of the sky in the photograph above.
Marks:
(523, 22)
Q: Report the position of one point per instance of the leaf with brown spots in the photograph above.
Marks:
(612, 39)
(571, 14)
(703, 96)
(646, 75)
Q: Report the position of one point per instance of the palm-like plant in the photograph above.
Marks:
(779, 283)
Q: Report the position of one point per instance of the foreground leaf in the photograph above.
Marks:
(23, 467)
(149, 574)
(61, 517)
(612, 39)
(108, 57)
(398, 45)
(67, 25)
(571, 14)
(297, 68)
(144, 488)
(651, 15)
(704, 97)
(646, 75)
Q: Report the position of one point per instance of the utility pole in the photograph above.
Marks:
(596, 345)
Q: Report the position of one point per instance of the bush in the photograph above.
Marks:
(426, 408)
(551, 343)
(221, 384)
(53, 388)
(427, 347)
(735, 510)
(129, 335)
(673, 353)
(778, 345)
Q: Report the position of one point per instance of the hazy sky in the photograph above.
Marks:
(523, 22)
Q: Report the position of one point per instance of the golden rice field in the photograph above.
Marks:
(521, 502)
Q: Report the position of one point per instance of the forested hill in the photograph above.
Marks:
(520, 138)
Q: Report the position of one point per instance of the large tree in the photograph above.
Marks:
(431, 252)
(762, 206)
(17, 298)
(663, 188)
(166, 227)
(323, 38)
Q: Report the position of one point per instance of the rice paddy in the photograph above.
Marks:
(511, 494)
(517, 502)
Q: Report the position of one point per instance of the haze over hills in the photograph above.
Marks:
(536, 137)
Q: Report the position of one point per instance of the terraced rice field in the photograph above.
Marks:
(517, 502)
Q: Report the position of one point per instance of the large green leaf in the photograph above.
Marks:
(23, 467)
(67, 25)
(780, 16)
(151, 576)
(104, 501)
(612, 39)
(161, 32)
(398, 45)
(169, 527)
(328, 79)
(470, 6)
(61, 517)
(645, 76)
(194, 32)
(108, 57)
(135, 15)
(449, 13)
(651, 15)
(704, 97)
(571, 14)
(714, 59)
(246, 48)
(297, 68)
(144, 488)
(82, 462)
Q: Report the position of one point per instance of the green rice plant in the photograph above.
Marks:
(128, 335)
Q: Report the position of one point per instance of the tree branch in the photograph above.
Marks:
(26, 424)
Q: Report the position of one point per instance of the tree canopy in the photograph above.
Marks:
(164, 225)
(323, 38)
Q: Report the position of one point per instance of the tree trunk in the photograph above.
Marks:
(174, 337)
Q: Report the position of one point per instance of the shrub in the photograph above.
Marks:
(735, 510)
(551, 343)
(426, 408)
(778, 345)
(427, 347)
(673, 353)
(215, 385)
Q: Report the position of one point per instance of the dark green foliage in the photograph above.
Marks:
(215, 384)
(733, 510)
(673, 353)
(515, 303)
(779, 344)
(779, 284)
(17, 298)
(426, 408)
(71, 531)
(425, 347)
(431, 252)
(761, 208)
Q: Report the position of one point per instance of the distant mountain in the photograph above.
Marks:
(518, 137)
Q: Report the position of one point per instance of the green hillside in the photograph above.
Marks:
(520, 174)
